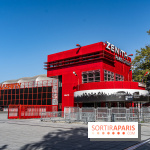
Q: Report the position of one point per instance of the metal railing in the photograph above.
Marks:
(101, 114)
(52, 116)
(145, 113)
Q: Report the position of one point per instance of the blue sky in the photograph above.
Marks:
(32, 29)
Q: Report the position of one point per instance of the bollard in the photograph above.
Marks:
(113, 118)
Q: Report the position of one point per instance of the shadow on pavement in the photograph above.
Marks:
(74, 139)
(3, 147)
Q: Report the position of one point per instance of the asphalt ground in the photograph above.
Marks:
(32, 134)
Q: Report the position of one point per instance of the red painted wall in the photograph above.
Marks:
(70, 81)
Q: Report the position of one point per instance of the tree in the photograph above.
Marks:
(141, 63)
(148, 32)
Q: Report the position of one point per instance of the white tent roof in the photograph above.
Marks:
(28, 79)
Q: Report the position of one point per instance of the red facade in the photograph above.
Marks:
(71, 64)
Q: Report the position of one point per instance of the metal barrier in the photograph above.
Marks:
(145, 114)
(13, 111)
(52, 116)
(120, 113)
(133, 114)
(71, 114)
(103, 114)
(87, 114)
(29, 111)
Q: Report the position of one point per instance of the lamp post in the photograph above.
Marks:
(78, 45)
(130, 67)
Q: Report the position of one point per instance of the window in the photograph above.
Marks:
(119, 77)
(108, 76)
(91, 76)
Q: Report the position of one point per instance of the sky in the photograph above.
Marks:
(32, 29)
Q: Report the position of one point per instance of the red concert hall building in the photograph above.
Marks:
(96, 75)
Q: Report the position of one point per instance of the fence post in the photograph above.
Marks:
(138, 115)
(19, 111)
(80, 111)
(127, 115)
(95, 114)
(24, 110)
(112, 117)
(8, 111)
(142, 115)
(69, 113)
(64, 113)
(109, 114)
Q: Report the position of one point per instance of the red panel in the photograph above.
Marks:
(118, 85)
(110, 85)
(127, 85)
(29, 111)
(134, 85)
(13, 112)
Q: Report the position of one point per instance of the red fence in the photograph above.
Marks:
(13, 112)
(29, 111)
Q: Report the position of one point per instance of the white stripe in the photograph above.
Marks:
(137, 145)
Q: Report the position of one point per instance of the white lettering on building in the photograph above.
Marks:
(120, 54)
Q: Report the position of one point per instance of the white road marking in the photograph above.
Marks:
(137, 145)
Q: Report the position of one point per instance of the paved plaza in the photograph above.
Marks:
(32, 134)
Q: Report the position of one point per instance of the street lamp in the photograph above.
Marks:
(78, 45)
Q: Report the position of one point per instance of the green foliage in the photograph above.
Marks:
(141, 63)
(148, 32)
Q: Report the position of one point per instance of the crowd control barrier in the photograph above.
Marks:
(52, 116)
(145, 114)
(13, 112)
(100, 114)
(29, 111)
